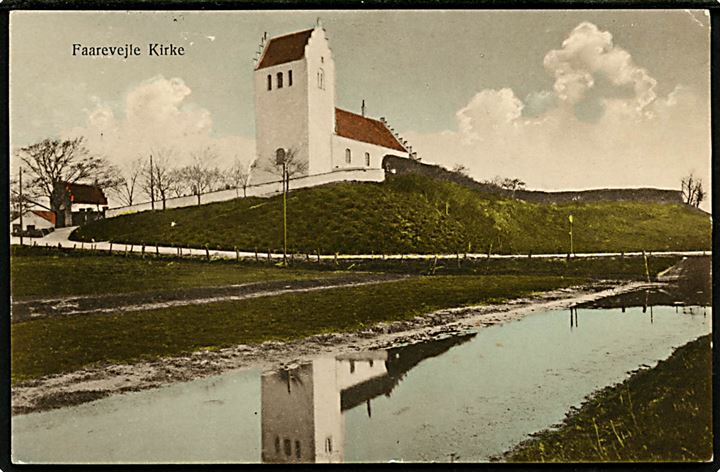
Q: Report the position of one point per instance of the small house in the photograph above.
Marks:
(35, 223)
(78, 203)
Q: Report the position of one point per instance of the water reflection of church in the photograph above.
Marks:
(302, 408)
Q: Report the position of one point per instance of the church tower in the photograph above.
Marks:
(295, 99)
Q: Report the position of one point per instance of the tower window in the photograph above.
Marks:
(321, 79)
(269, 82)
(328, 444)
(367, 159)
(298, 453)
(348, 156)
(287, 446)
(289, 78)
(279, 80)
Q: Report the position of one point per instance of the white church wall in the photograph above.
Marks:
(358, 150)
(267, 189)
(281, 114)
(321, 101)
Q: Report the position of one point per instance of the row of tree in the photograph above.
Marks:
(155, 176)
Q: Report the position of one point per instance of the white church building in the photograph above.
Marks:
(295, 111)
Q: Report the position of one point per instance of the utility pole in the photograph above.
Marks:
(152, 185)
(21, 208)
(285, 191)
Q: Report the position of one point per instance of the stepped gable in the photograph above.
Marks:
(359, 128)
(282, 49)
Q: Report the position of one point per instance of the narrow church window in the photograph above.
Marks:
(289, 78)
(269, 82)
(277, 444)
(279, 80)
(328, 444)
(321, 79)
(367, 159)
(298, 453)
(348, 156)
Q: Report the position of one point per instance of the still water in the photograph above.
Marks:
(464, 398)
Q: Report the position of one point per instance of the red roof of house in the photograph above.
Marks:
(47, 215)
(282, 49)
(90, 194)
(367, 130)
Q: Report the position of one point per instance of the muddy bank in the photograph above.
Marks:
(93, 383)
(23, 310)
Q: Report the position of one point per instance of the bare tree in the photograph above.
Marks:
(460, 169)
(128, 183)
(53, 161)
(159, 178)
(200, 176)
(239, 176)
(692, 190)
(285, 163)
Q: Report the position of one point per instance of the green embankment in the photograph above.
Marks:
(55, 345)
(411, 214)
(658, 414)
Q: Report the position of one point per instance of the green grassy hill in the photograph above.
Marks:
(411, 214)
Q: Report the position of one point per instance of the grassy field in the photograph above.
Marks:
(54, 345)
(411, 214)
(49, 272)
(659, 414)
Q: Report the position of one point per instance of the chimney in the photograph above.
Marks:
(362, 108)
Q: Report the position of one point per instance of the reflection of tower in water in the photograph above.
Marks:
(302, 419)
(302, 408)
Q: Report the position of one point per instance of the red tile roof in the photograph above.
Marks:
(282, 49)
(89, 194)
(367, 130)
(47, 215)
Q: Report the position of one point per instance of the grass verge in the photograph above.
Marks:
(658, 414)
(52, 272)
(52, 346)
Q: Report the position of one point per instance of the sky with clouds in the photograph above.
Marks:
(560, 99)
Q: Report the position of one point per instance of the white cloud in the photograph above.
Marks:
(602, 125)
(157, 114)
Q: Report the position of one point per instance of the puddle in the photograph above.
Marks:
(463, 398)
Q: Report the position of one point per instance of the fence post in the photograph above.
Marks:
(110, 250)
(157, 250)
(268, 255)
(318, 255)
(256, 255)
(207, 252)
(336, 258)
(142, 251)
(237, 254)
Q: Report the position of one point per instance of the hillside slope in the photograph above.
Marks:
(411, 214)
